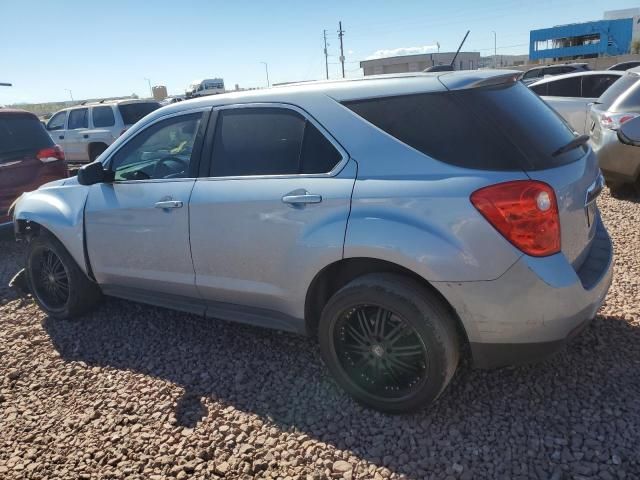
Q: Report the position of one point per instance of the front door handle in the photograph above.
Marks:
(168, 204)
(302, 198)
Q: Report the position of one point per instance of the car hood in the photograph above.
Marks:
(60, 183)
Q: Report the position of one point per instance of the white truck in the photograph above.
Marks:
(208, 86)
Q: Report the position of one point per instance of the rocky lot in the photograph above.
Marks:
(140, 392)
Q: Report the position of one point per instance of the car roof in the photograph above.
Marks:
(343, 90)
(575, 64)
(125, 101)
(555, 78)
(16, 111)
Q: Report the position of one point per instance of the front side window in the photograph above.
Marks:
(57, 121)
(103, 117)
(531, 74)
(162, 151)
(269, 141)
(79, 118)
(566, 87)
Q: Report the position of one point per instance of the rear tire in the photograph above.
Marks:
(398, 361)
(58, 285)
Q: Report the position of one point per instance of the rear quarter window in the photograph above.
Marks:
(132, 112)
(491, 128)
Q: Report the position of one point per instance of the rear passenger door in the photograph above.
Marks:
(270, 211)
(76, 136)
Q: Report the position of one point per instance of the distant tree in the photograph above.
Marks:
(635, 46)
(133, 95)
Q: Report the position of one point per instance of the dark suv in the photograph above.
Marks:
(28, 158)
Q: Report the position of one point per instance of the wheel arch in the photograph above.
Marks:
(58, 211)
(336, 275)
(92, 145)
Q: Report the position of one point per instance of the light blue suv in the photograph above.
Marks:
(397, 219)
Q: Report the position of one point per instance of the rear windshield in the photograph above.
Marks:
(22, 133)
(631, 99)
(491, 128)
(132, 112)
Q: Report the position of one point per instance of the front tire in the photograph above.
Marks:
(389, 342)
(58, 285)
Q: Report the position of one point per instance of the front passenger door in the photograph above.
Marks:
(137, 227)
(75, 143)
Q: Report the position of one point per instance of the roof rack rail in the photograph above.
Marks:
(102, 101)
(83, 103)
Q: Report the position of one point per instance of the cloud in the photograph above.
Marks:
(398, 52)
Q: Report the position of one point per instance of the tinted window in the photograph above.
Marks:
(57, 121)
(595, 85)
(162, 151)
(555, 70)
(499, 128)
(103, 117)
(531, 74)
(566, 87)
(624, 66)
(541, 89)
(132, 112)
(22, 132)
(78, 118)
(269, 141)
(627, 85)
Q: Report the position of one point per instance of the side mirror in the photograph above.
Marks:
(94, 173)
(629, 132)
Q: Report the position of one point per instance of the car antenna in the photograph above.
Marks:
(453, 61)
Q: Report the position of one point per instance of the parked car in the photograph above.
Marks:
(623, 66)
(85, 131)
(208, 86)
(537, 73)
(572, 95)
(28, 158)
(396, 219)
(620, 163)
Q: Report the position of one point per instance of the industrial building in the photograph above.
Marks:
(417, 63)
(607, 37)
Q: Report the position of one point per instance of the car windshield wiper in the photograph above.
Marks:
(575, 143)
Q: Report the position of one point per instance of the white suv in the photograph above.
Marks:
(86, 130)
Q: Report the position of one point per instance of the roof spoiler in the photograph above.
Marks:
(479, 79)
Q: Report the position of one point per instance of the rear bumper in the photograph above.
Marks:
(618, 162)
(532, 310)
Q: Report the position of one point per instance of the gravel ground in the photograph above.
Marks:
(140, 392)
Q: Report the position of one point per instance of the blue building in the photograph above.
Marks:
(582, 40)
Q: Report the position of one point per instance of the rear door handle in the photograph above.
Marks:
(85, 135)
(301, 198)
(61, 137)
(168, 204)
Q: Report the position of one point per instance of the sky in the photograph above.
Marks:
(111, 48)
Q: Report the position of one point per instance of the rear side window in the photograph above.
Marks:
(496, 128)
(132, 112)
(78, 118)
(269, 141)
(21, 133)
(103, 117)
(626, 91)
(566, 87)
(531, 74)
(595, 85)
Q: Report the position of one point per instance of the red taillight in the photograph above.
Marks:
(525, 212)
(613, 121)
(51, 154)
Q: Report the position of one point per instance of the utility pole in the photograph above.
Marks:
(326, 55)
(70, 93)
(495, 50)
(341, 34)
(266, 69)
(150, 89)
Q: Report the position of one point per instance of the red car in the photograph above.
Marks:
(28, 158)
